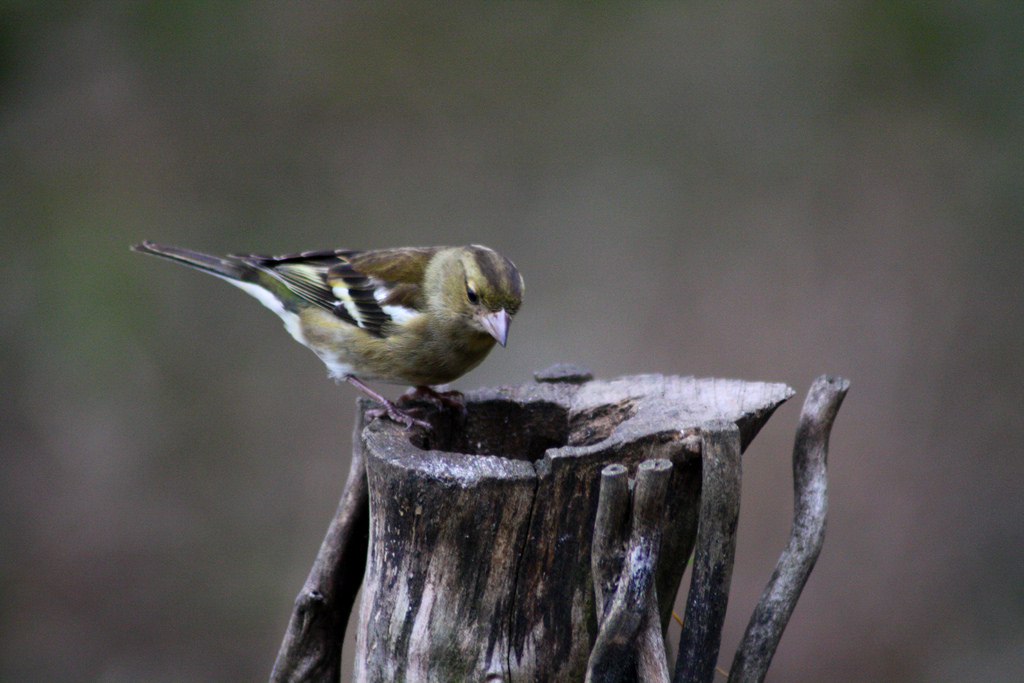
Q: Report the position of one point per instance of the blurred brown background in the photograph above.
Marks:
(718, 189)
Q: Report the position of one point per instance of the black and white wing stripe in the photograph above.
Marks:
(329, 280)
(354, 295)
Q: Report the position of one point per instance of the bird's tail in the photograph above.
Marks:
(228, 268)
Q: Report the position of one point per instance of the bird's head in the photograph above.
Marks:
(486, 289)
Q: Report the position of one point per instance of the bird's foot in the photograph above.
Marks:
(387, 407)
(442, 399)
(392, 411)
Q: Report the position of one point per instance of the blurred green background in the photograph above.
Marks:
(769, 191)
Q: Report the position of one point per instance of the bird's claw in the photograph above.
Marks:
(442, 399)
(400, 416)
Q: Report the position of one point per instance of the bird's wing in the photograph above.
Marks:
(363, 288)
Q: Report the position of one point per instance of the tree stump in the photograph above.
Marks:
(508, 542)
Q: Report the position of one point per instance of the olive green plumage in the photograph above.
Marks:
(414, 315)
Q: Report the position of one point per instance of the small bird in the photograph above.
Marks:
(418, 316)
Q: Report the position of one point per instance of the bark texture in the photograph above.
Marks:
(480, 563)
(810, 508)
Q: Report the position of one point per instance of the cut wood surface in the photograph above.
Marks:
(479, 563)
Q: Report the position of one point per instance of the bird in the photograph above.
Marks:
(416, 316)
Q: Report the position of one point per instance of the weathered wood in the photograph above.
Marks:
(652, 661)
(443, 557)
(810, 502)
(708, 597)
(311, 650)
(479, 564)
(652, 480)
(625, 650)
(611, 532)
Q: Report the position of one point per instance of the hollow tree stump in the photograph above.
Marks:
(479, 565)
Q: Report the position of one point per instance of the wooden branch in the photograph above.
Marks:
(311, 651)
(479, 567)
(652, 661)
(653, 477)
(716, 547)
(632, 610)
(611, 533)
(810, 482)
(479, 563)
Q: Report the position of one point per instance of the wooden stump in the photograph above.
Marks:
(480, 562)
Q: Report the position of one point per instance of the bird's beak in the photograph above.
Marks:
(496, 324)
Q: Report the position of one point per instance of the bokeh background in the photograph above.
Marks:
(769, 191)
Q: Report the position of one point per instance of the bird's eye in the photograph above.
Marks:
(471, 294)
